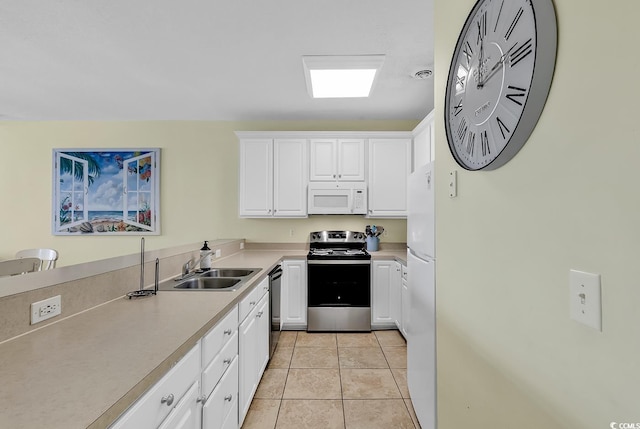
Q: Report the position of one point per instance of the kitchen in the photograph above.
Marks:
(551, 373)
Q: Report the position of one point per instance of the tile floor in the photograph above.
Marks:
(335, 381)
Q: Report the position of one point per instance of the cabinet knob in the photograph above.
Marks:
(201, 399)
(227, 331)
(227, 361)
(339, 176)
(252, 303)
(334, 176)
(167, 399)
(259, 314)
(228, 398)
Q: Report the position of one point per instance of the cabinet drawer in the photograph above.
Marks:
(251, 300)
(219, 365)
(223, 402)
(219, 335)
(152, 408)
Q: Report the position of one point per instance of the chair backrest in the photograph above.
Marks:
(47, 256)
(12, 267)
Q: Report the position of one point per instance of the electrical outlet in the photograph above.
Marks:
(242, 245)
(45, 309)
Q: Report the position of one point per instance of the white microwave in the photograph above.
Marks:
(337, 198)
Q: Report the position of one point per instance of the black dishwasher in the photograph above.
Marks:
(275, 277)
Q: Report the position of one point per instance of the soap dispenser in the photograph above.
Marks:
(205, 257)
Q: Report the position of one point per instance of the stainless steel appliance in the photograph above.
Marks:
(339, 282)
(275, 277)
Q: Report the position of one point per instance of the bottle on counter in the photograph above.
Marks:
(205, 257)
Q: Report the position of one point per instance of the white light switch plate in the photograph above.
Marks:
(585, 303)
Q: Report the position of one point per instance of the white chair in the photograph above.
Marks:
(47, 256)
(12, 267)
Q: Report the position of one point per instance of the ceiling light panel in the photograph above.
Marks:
(341, 76)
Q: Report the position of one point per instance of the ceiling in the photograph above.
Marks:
(206, 59)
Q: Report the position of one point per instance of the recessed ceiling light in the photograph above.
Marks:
(341, 76)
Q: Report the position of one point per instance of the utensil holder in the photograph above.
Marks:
(372, 244)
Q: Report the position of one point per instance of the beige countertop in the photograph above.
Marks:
(85, 370)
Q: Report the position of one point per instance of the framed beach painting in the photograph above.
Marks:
(106, 191)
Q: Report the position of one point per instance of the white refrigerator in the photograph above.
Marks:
(421, 332)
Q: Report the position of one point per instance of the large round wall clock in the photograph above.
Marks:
(499, 79)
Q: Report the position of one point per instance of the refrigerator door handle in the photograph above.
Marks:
(420, 255)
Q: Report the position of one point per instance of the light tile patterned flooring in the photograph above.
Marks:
(335, 381)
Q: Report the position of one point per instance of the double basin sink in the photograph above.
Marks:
(216, 279)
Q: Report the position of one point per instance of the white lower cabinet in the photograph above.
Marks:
(385, 294)
(253, 339)
(221, 409)
(186, 415)
(293, 310)
(404, 302)
(161, 400)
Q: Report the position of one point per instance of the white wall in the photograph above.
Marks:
(199, 184)
(508, 353)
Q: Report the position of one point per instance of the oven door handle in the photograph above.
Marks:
(339, 262)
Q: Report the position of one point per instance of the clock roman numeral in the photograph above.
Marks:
(462, 128)
(513, 24)
(518, 92)
(502, 127)
(482, 27)
(457, 108)
(468, 52)
(471, 142)
(460, 82)
(520, 54)
(498, 18)
(484, 142)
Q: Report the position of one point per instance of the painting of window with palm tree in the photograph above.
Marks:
(108, 192)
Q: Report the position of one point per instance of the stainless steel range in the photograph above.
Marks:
(339, 282)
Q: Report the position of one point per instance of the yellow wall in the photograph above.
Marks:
(508, 354)
(199, 184)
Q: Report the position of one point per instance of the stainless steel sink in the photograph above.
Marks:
(228, 272)
(225, 283)
(216, 279)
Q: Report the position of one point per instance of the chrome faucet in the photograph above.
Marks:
(187, 267)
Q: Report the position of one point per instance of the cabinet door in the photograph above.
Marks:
(156, 404)
(423, 142)
(247, 364)
(351, 159)
(322, 159)
(389, 168)
(404, 303)
(290, 178)
(293, 309)
(186, 415)
(383, 276)
(223, 402)
(256, 178)
(395, 291)
(263, 333)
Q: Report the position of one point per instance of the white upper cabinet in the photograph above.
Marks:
(337, 159)
(290, 177)
(423, 142)
(273, 177)
(256, 177)
(389, 168)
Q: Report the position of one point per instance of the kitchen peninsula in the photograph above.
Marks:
(87, 369)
